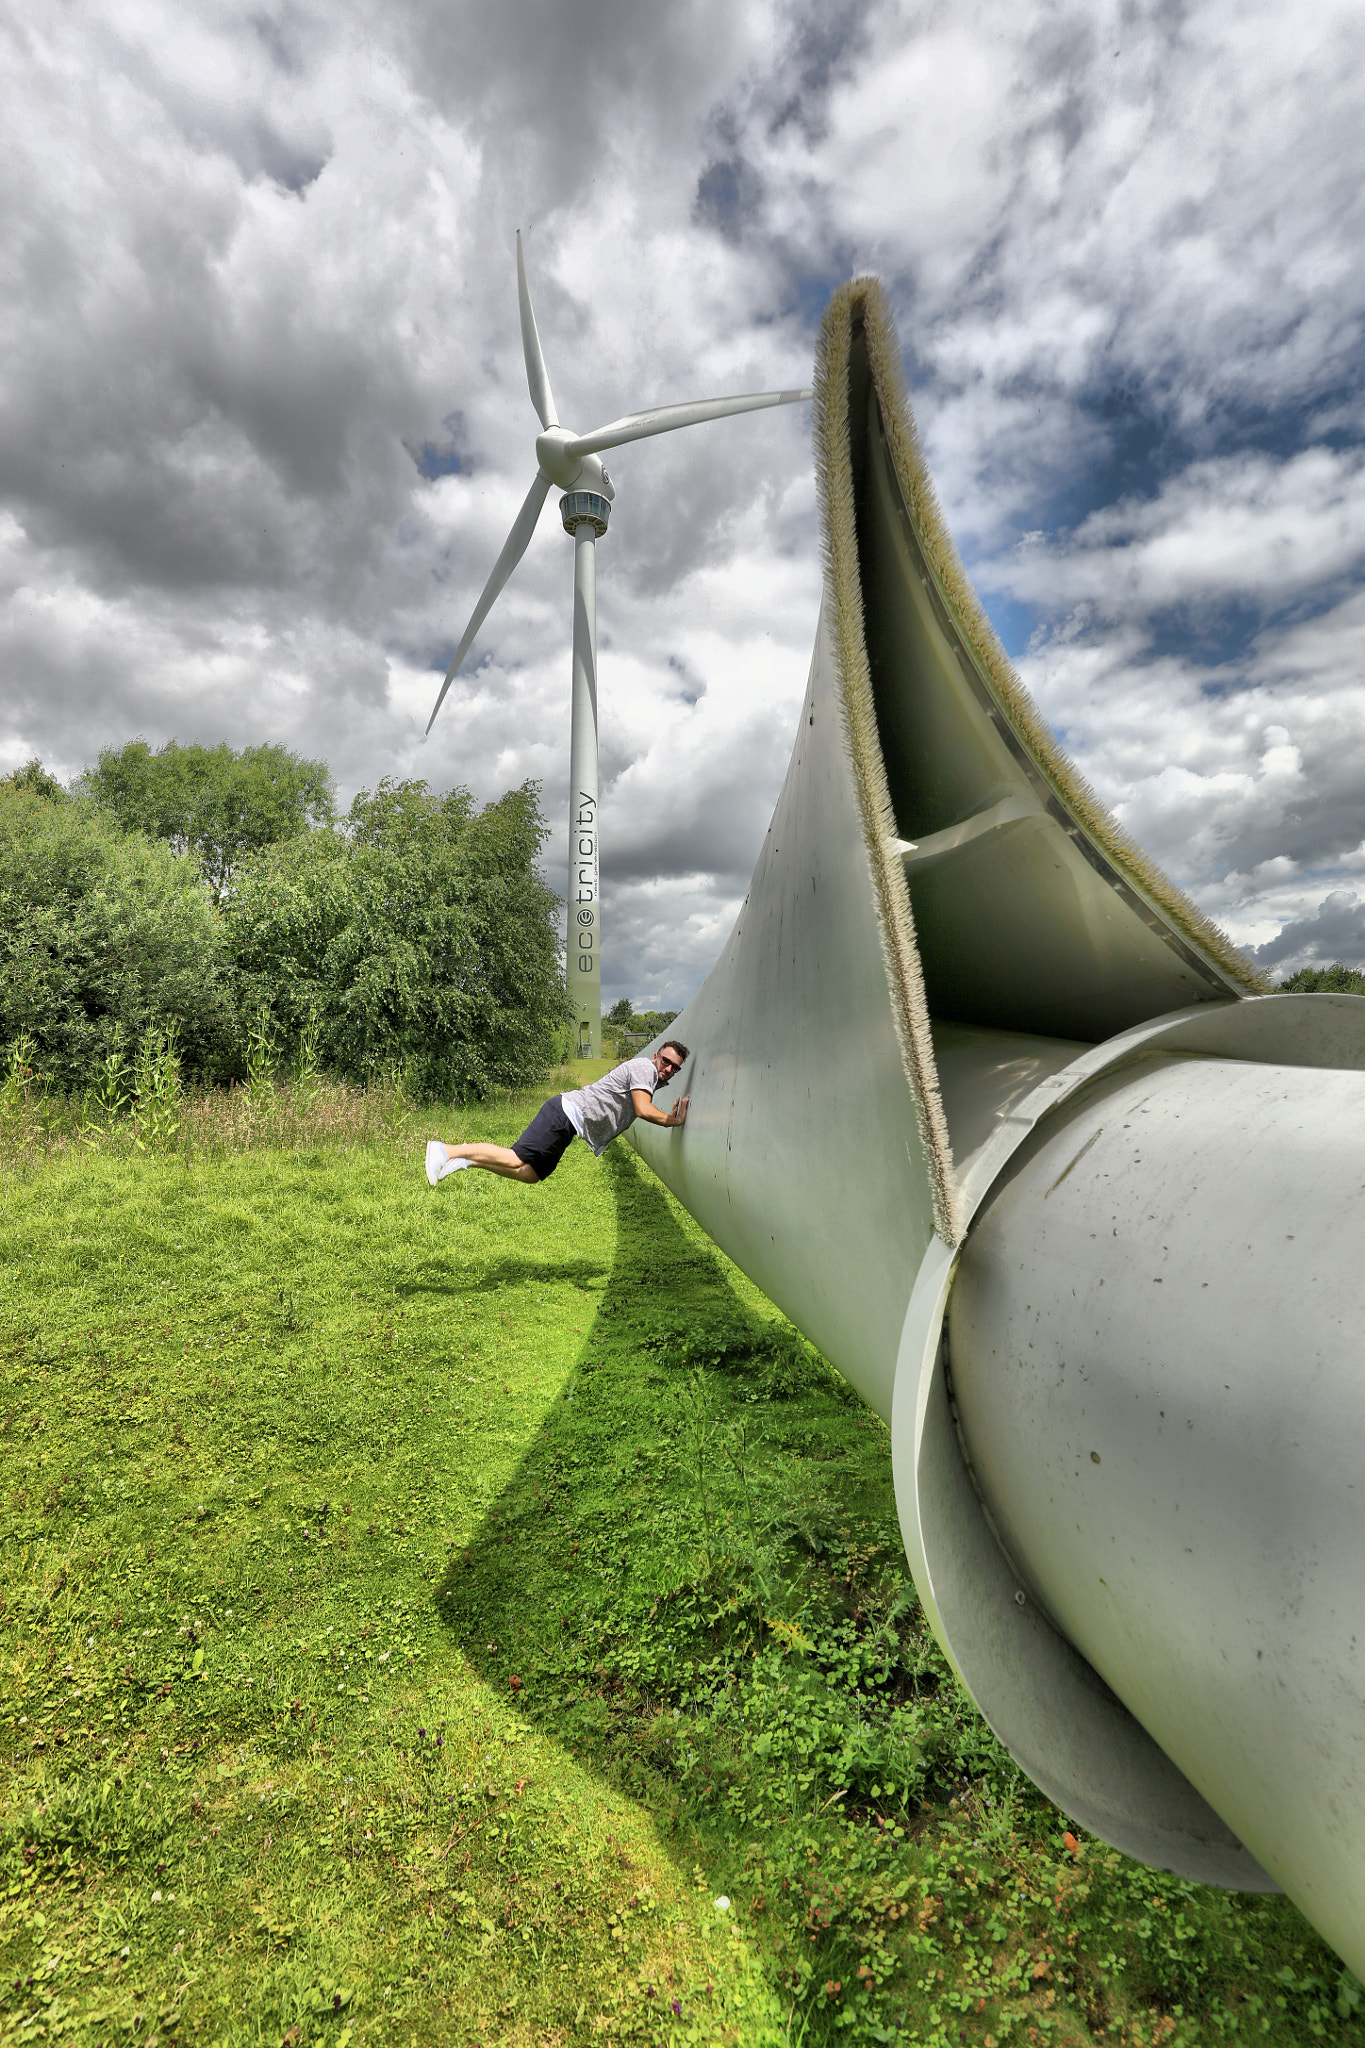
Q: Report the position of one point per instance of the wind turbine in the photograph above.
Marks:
(574, 463)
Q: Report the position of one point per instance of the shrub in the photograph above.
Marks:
(1333, 980)
(418, 937)
(105, 936)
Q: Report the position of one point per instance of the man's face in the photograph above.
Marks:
(667, 1063)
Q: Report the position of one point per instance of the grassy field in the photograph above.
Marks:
(476, 1616)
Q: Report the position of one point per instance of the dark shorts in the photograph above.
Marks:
(546, 1139)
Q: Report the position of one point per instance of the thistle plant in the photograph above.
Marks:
(112, 1094)
(308, 1064)
(158, 1091)
(262, 1058)
(20, 1077)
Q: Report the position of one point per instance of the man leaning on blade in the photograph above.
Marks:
(597, 1114)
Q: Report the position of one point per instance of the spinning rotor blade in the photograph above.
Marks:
(542, 398)
(662, 419)
(514, 548)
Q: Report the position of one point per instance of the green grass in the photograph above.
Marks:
(420, 1609)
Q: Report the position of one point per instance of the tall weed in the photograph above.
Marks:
(308, 1065)
(23, 1098)
(20, 1078)
(158, 1091)
(262, 1059)
(112, 1095)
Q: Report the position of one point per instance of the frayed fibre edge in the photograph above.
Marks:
(895, 919)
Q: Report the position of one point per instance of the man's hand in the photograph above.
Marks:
(648, 1114)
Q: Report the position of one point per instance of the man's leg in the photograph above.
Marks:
(544, 1140)
(495, 1159)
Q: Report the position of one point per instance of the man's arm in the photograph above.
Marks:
(647, 1113)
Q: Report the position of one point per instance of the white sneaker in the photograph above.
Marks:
(454, 1166)
(436, 1159)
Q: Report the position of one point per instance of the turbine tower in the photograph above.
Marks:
(574, 463)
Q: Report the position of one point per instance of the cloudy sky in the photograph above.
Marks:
(264, 422)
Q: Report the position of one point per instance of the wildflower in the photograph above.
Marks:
(722, 1904)
(677, 2008)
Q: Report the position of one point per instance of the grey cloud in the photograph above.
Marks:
(228, 87)
(662, 938)
(574, 84)
(718, 836)
(729, 196)
(1336, 934)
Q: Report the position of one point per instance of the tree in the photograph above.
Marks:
(35, 778)
(1333, 980)
(104, 932)
(210, 802)
(620, 1014)
(418, 935)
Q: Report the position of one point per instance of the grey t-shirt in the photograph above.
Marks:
(602, 1110)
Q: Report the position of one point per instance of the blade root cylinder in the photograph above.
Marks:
(1154, 1346)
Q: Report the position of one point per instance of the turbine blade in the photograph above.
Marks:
(542, 398)
(514, 548)
(662, 419)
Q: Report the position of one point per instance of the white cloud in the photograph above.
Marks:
(1246, 782)
(1232, 529)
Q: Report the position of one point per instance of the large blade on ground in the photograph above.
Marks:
(542, 398)
(515, 547)
(662, 419)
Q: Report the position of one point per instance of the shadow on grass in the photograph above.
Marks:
(676, 1503)
(504, 1273)
(628, 1472)
(610, 1488)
